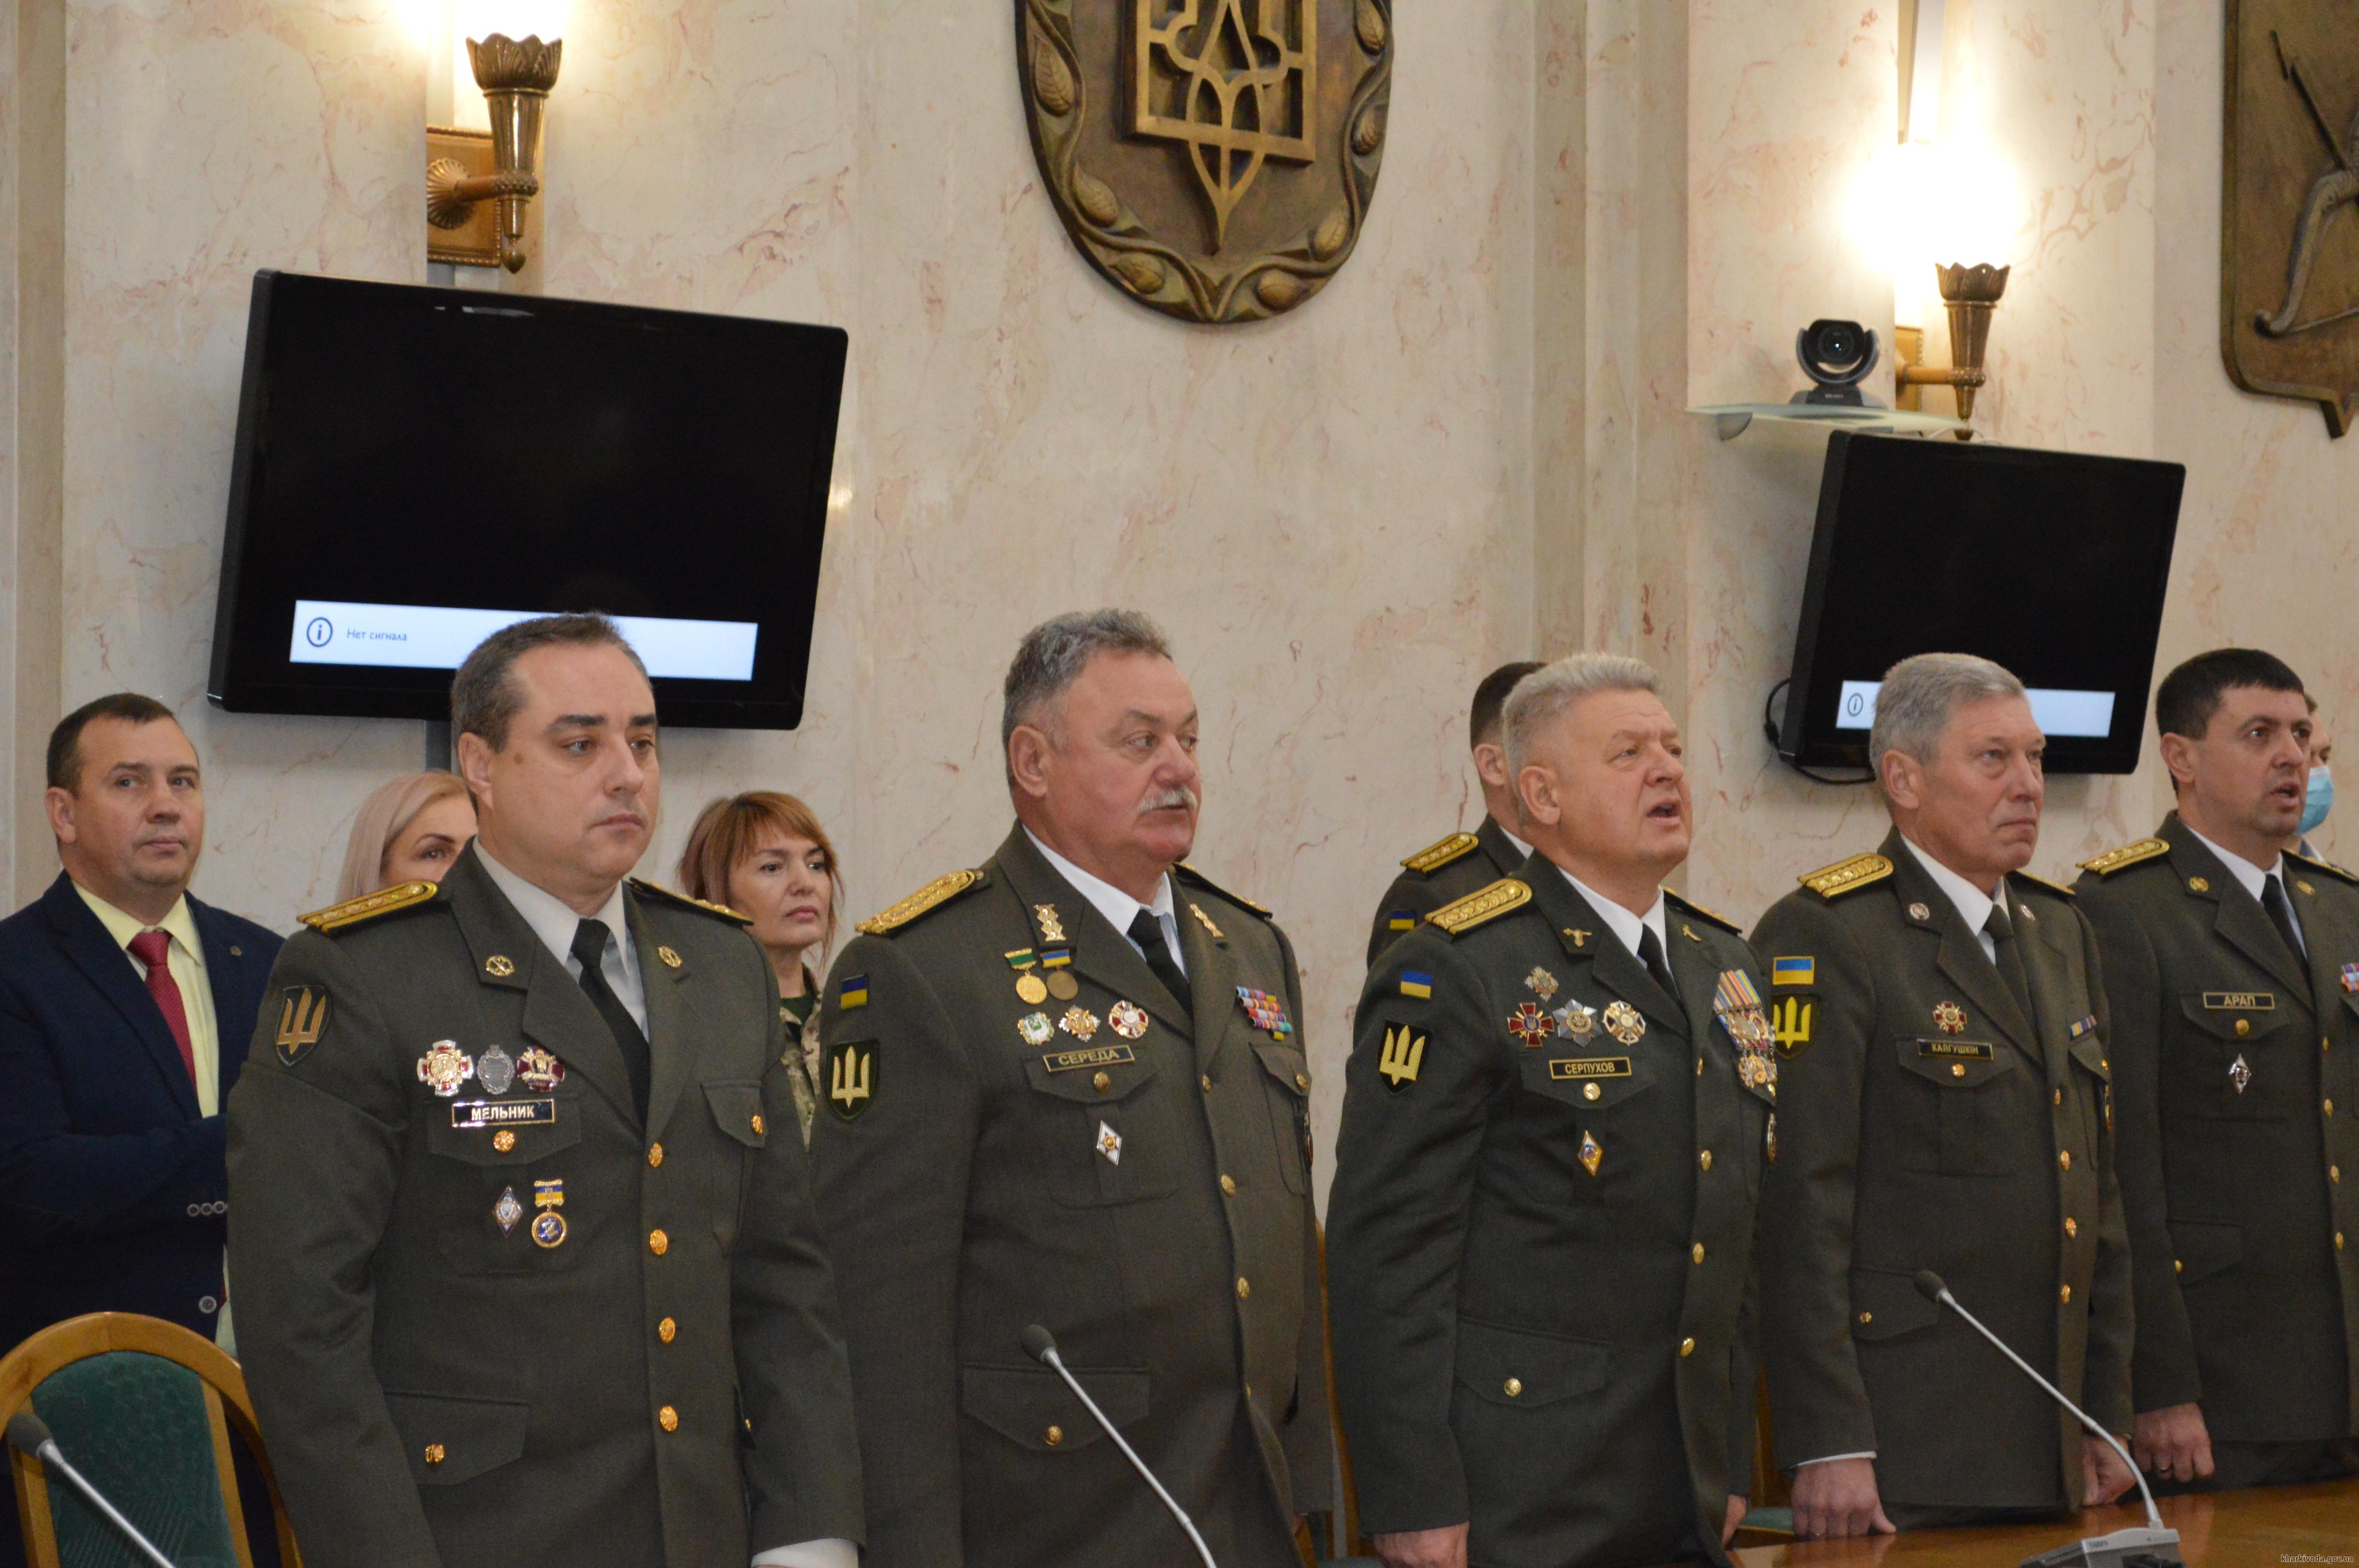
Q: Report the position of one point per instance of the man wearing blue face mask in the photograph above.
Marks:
(2320, 800)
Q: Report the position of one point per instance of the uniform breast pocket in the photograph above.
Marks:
(1092, 1115)
(744, 1129)
(1950, 1103)
(1288, 1072)
(485, 1157)
(1602, 1100)
(2230, 1057)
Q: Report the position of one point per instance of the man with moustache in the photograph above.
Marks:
(1068, 1089)
(519, 1208)
(1556, 1120)
(2225, 956)
(1447, 870)
(1943, 1104)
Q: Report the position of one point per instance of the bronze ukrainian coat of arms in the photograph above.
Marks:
(1213, 158)
(2289, 237)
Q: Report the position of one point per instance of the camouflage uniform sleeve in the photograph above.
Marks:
(803, 1464)
(314, 1157)
(1398, 1213)
(2105, 1378)
(891, 1174)
(1809, 1196)
(1309, 1434)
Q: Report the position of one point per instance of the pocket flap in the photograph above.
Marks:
(1288, 1066)
(1031, 1407)
(1599, 1082)
(1952, 1063)
(2092, 1056)
(1524, 1367)
(2235, 1015)
(737, 1111)
(1886, 1306)
(468, 1129)
(450, 1440)
(2202, 1247)
(1097, 1074)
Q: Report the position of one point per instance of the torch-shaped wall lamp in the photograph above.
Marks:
(477, 182)
(1969, 294)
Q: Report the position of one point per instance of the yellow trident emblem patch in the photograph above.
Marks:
(301, 1018)
(852, 1077)
(1791, 1016)
(1403, 1053)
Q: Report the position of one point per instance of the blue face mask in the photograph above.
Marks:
(2321, 799)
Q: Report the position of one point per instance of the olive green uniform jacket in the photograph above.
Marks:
(1541, 1237)
(1127, 1173)
(437, 1387)
(2238, 1184)
(1924, 1123)
(1440, 873)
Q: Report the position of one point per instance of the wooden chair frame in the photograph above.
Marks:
(228, 1407)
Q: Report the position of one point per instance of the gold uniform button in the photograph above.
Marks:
(2065, 1295)
(1514, 1387)
(2072, 1227)
(434, 1454)
(1695, 1253)
(1229, 1185)
(1053, 1436)
(669, 1419)
(1244, 1287)
(666, 1330)
(1302, 1082)
(658, 1243)
(2064, 1158)
(1102, 1082)
(2243, 1026)
(1866, 1318)
(1207, 1081)
(2176, 1267)
(1957, 1069)
(1590, 1091)
(654, 1155)
(758, 1124)
(1687, 1346)
(1704, 1158)
(503, 1140)
(2060, 1097)
(2330, 1107)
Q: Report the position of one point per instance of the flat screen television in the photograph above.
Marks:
(2053, 564)
(417, 467)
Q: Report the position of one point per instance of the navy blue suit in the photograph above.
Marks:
(113, 1191)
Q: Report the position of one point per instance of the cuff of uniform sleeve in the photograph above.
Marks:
(829, 1553)
(1830, 1458)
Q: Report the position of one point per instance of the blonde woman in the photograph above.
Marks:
(765, 855)
(410, 830)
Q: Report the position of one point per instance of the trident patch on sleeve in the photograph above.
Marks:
(851, 1078)
(1403, 1054)
(302, 1014)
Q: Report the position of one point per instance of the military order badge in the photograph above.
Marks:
(495, 1070)
(1949, 1018)
(540, 1070)
(1530, 1025)
(1035, 1028)
(444, 1067)
(1623, 1022)
(1127, 1018)
(1213, 158)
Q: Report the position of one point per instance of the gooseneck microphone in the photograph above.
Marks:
(1042, 1346)
(2155, 1542)
(31, 1433)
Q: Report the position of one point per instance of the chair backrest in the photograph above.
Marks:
(143, 1409)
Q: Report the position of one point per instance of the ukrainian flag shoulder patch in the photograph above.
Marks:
(1793, 972)
(1415, 983)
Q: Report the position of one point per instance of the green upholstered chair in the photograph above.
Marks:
(145, 1410)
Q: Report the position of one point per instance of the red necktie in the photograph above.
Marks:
(154, 949)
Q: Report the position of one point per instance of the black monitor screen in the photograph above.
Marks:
(417, 467)
(2053, 564)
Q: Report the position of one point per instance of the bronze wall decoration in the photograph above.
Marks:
(1213, 158)
(2289, 238)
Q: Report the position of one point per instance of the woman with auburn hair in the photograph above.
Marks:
(409, 830)
(765, 855)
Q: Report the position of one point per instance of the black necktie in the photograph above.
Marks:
(590, 940)
(1650, 953)
(1148, 932)
(2273, 901)
(2009, 959)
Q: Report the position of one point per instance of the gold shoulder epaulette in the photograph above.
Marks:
(2128, 855)
(369, 905)
(1847, 876)
(927, 899)
(673, 895)
(1189, 873)
(1433, 857)
(2329, 866)
(2058, 888)
(1480, 907)
(1701, 913)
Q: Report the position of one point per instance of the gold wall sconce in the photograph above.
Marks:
(478, 182)
(1969, 294)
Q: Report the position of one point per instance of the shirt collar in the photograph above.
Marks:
(1974, 904)
(1118, 907)
(1620, 921)
(2250, 876)
(552, 918)
(1509, 835)
(123, 926)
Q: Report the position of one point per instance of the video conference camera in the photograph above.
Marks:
(1837, 356)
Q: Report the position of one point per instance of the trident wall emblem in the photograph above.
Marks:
(1235, 94)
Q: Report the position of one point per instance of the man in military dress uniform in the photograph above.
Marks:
(1068, 1089)
(1943, 1106)
(1556, 1118)
(1447, 870)
(2226, 958)
(527, 1265)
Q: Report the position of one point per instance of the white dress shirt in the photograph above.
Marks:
(1626, 926)
(1974, 904)
(1118, 907)
(554, 922)
(1521, 848)
(2252, 878)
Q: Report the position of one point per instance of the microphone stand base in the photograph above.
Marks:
(2134, 1548)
